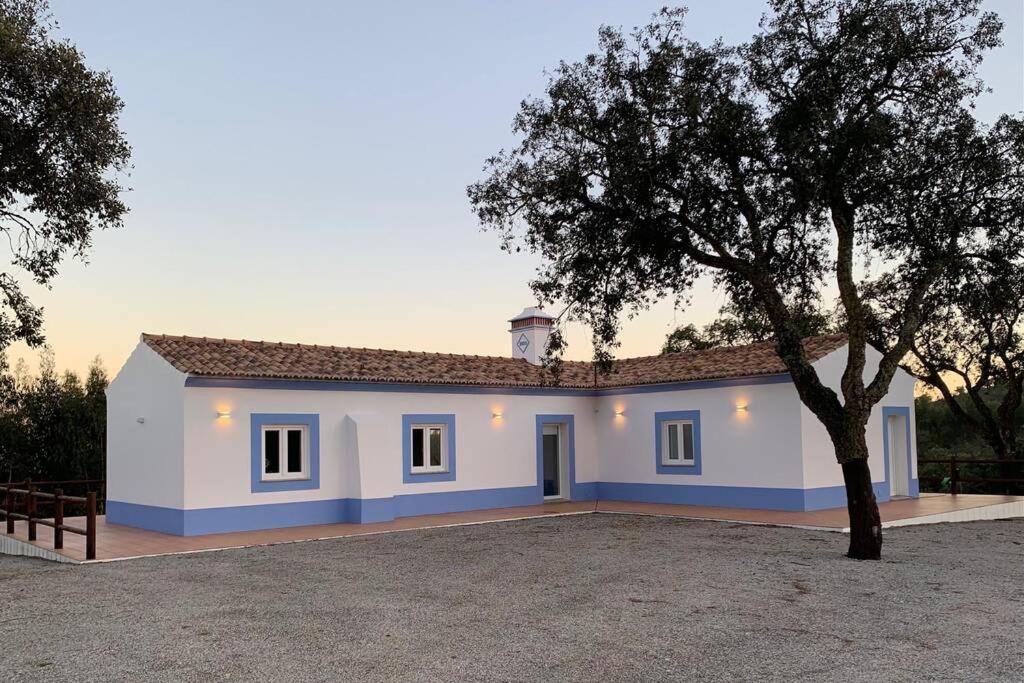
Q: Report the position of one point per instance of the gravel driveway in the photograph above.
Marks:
(587, 597)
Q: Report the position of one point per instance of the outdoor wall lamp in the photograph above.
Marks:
(223, 414)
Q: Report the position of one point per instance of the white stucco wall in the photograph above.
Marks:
(361, 441)
(759, 447)
(819, 460)
(144, 461)
(183, 456)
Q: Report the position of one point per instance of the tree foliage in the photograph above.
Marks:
(52, 426)
(744, 324)
(60, 151)
(970, 348)
(841, 136)
(941, 434)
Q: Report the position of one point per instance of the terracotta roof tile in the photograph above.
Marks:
(232, 358)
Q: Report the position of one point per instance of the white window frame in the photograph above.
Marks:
(680, 432)
(284, 475)
(427, 468)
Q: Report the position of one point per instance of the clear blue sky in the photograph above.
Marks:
(300, 168)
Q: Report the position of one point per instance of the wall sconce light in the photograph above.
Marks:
(619, 412)
(496, 416)
(141, 420)
(741, 407)
(223, 414)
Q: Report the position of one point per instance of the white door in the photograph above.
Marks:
(899, 477)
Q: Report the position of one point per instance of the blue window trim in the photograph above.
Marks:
(912, 483)
(312, 422)
(659, 419)
(569, 422)
(408, 421)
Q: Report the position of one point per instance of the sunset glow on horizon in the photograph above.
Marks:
(300, 171)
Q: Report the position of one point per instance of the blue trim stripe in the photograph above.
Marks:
(384, 387)
(256, 422)
(220, 520)
(410, 505)
(387, 387)
(749, 497)
(408, 476)
(356, 511)
(697, 494)
(152, 517)
(828, 497)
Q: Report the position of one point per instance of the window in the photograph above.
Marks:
(285, 452)
(428, 448)
(677, 443)
(677, 448)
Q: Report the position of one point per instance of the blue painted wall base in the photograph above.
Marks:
(196, 522)
(750, 497)
(201, 521)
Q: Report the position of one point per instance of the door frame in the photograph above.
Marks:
(567, 455)
(562, 481)
(903, 412)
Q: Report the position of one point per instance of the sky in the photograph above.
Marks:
(299, 169)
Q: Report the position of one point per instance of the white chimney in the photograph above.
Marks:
(530, 330)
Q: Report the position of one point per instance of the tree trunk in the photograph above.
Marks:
(865, 522)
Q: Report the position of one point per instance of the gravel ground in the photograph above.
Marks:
(588, 597)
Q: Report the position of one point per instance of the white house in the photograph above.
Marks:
(215, 435)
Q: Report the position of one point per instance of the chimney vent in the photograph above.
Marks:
(530, 330)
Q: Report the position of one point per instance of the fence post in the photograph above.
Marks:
(30, 511)
(954, 476)
(90, 525)
(9, 509)
(58, 519)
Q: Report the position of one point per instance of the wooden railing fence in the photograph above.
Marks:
(32, 498)
(955, 474)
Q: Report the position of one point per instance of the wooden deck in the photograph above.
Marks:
(115, 542)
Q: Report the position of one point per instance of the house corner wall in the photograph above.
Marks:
(750, 450)
(145, 443)
(823, 476)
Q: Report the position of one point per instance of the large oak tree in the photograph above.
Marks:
(61, 150)
(839, 143)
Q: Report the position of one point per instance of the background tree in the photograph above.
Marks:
(53, 427)
(60, 145)
(941, 435)
(971, 349)
(843, 131)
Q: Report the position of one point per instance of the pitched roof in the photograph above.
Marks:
(233, 358)
(724, 362)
